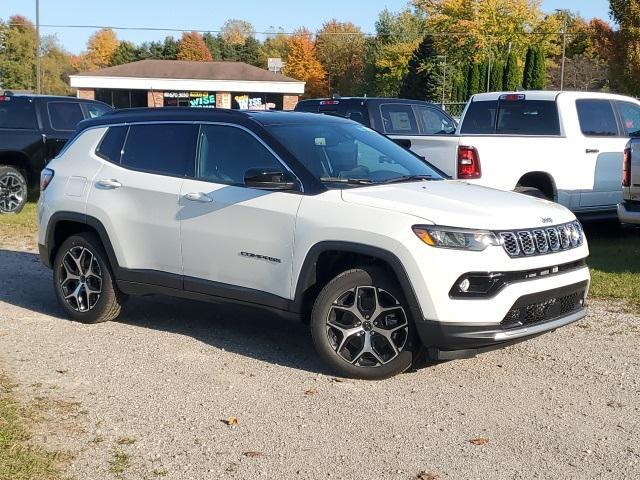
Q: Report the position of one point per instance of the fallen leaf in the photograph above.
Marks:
(252, 454)
(231, 421)
(337, 380)
(311, 391)
(426, 476)
(479, 441)
(62, 370)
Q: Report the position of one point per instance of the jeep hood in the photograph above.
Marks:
(456, 203)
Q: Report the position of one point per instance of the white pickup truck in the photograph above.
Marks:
(565, 146)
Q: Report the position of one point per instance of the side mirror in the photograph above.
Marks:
(269, 179)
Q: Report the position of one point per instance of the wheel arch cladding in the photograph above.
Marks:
(324, 260)
(64, 224)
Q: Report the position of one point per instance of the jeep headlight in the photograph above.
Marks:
(456, 238)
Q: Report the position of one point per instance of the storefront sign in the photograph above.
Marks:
(245, 102)
(190, 99)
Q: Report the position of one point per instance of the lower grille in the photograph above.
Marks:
(549, 307)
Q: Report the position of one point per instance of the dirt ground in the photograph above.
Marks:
(150, 396)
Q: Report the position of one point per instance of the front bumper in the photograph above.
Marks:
(629, 212)
(536, 314)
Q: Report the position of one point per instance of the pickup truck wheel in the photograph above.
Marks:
(83, 281)
(361, 327)
(532, 192)
(13, 190)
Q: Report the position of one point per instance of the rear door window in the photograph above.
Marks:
(110, 147)
(399, 119)
(166, 149)
(480, 118)
(17, 112)
(597, 118)
(630, 115)
(434, 122)
(65, 116)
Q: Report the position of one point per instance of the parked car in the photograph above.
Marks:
(409, 122)
(33, 129)
(314, 217)
(629, 208)
(562, 146)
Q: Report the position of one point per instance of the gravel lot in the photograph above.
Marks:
(152, 390)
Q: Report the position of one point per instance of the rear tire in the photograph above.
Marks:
(83, 281)
(361, 325)
(13, 190)
(532, 192)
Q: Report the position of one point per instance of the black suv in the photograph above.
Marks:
(33, 129)
(380, 113)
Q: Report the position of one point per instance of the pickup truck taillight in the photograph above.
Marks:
(45, 178)
(626, 168)
(468, 163)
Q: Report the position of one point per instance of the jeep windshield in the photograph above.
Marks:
(341, 153)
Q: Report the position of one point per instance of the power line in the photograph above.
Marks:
(317, 33)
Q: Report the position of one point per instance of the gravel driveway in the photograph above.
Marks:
(147, 396)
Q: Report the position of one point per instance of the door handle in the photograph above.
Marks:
(592, 150)
(198, 197)
(109, 184)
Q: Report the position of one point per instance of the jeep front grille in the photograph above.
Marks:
(538, 241)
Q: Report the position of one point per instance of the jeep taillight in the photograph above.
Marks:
(468, 163)
(45, 178)
(626, 168)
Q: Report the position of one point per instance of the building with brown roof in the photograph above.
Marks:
(162, 83)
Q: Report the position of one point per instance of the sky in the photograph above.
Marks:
(211, 14)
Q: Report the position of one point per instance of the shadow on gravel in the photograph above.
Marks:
(26, 283)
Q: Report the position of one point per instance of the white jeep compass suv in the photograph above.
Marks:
(311, 216)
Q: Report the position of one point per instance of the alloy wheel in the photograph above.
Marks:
(12, 193)
(367, 326)
(80, 279)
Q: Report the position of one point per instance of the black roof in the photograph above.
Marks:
(168, 114)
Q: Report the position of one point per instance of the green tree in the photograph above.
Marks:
(473, 80)
(388, 54)
(125, 52)
(495, 80)
(527, 75)
(423, 80)
(214, 45)
(170, 48)
(535, 70)
(626, 66)
(340, 46)
(18, 49)
(511, 75)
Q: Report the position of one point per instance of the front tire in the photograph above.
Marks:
(361, 326)
(83, 281)
(13, 190)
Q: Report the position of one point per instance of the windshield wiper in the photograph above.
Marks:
(350, 181)
(409, 178)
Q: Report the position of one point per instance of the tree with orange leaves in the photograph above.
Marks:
(303, 64)
(192, 47)
(100, 48)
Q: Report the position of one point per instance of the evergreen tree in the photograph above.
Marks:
(527, 75)
(510, 78)
(483, 70)
(497, 73)
(421, 81)
(539, 71)
(213, 43)
(125, 52)
(473, 80)
(170, 48)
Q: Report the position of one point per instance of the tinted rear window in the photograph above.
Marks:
(521, 117)
(16, 112)
(110, 147)
(167, 149)
(65, 116)
(597, 118)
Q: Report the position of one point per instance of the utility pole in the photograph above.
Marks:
(38, 86)
(564, 46)
(489, 67)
